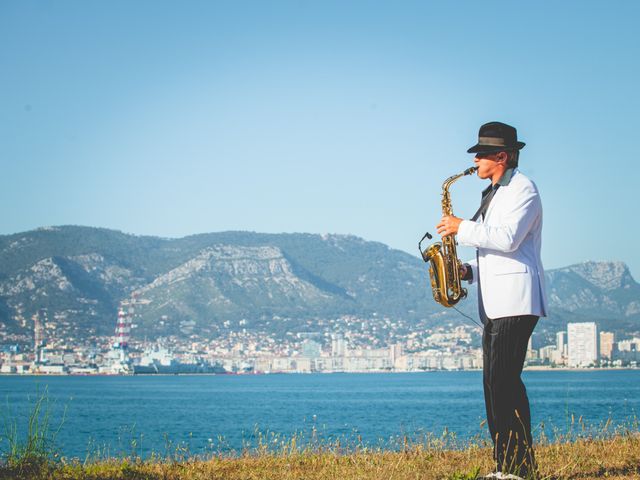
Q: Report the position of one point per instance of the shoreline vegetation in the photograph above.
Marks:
(616, 457)
(29, 451)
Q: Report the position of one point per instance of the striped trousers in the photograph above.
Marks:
(504, 347)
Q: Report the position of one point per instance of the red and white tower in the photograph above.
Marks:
(123, 333)
(38, 334)
(123, 330)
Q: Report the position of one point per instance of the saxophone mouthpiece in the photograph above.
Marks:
(469, 171)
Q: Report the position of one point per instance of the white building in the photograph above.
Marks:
(338, 345)
(632, 345)
(548, 353)
(531, 353)
(582, 342)
(561, 342)
(395, 352)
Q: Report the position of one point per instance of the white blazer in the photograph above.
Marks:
(508, 244)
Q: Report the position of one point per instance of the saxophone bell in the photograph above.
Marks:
(444, 268)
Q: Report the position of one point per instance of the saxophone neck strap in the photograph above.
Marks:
(487, 195)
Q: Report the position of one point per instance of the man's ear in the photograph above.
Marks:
(502, 157)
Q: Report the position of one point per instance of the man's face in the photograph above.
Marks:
(490, 163)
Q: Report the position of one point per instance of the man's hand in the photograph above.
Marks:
(463, 270)
(448, 225)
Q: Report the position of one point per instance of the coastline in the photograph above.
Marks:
(532, 368)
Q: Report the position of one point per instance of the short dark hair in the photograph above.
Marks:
(512, 159)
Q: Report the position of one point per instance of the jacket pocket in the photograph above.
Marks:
(507, 266)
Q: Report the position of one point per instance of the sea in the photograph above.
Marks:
(182, 415)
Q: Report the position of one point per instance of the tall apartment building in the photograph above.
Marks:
(582, 341)
(561, 343)
(338, 345)
(607, 340)
(395, 352)
(531, 353)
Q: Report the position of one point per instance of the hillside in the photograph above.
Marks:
(202, 283)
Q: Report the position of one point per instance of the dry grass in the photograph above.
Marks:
(616, 457)
(580, 452)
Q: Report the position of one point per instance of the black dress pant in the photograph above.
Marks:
(504, 346)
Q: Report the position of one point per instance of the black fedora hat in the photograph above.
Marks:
(496, 137)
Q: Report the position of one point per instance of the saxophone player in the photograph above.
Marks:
(506, 232)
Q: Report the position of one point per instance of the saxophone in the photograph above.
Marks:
(445, 265)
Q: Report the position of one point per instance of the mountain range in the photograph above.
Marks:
(200, 283)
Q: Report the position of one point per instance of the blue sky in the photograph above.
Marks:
(174, 118)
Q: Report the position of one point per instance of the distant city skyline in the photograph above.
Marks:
(171, 119)
(345, 346)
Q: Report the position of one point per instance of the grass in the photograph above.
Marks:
(35, 447)
(616, 457)
(581, 453)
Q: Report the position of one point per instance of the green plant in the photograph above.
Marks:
(36, 448)
(472, 475)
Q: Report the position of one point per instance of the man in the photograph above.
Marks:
(506, 232)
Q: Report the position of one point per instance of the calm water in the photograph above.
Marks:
(106, 413)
